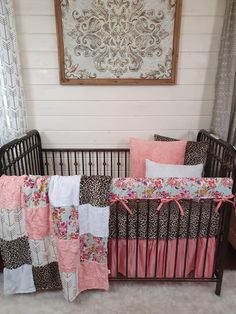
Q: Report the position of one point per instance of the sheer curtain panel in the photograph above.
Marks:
(12, 110)
(224, 112)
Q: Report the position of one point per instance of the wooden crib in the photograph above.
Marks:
(26, 156)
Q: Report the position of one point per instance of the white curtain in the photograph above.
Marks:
(12, 110)
(224, 112)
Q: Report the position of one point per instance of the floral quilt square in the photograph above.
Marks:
(65, 222)
(93, 249)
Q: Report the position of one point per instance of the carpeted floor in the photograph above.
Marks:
(129, 298)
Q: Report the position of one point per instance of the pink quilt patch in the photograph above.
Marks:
(10, 196)
(36, 203)
(38, 222)
(93, 275)
(68, 255)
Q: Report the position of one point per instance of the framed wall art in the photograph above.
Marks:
(118, 42)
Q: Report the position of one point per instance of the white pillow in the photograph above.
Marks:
(155, 170)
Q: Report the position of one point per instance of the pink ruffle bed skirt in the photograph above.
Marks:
(195, 258)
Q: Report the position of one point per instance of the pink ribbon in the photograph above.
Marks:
(123, 202)
(167, 200)
(220, 201)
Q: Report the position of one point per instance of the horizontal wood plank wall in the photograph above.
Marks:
(106, 116)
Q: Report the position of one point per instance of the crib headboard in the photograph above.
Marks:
(26, 156)
(22, 155)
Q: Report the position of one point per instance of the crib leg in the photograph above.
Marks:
(218, 287)
(1, 264)
(223, 246)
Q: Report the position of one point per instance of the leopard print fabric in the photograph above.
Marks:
(47, 277)
(195, 153)
(15, 253)
(94, 190)
(146, 223)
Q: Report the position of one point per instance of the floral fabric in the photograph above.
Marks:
(161, 188)
(64, 193)
(36, 205)
(35, 191)
(81, 232)
(65, 222)
(93, 249)
(38, 222)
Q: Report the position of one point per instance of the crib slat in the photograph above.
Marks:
(46, 163)
(90, 164)
(177, 245)
(97, 163)
(118, 164)
(167, 240)
(68, 162)
(53, 162)
(157, 242)
(25, 158)
(12, 159)
(137, 242)
(147, 240)
(197, 242)
(126, 171)
(127, 243)
(207, 239)
(104, 163)
(117, 239)
(187, 239)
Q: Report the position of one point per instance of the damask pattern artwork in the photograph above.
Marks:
(12, 110)
(118, 41)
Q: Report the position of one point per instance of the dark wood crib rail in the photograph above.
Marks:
(26, 156)
(221, 157)
(22, 156)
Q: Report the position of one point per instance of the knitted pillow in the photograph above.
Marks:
(195, 153)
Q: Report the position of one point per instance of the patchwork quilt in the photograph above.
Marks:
(54, 230)
(48, 246)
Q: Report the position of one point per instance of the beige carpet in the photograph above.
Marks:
(129, 298)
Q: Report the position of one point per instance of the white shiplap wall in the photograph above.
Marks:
(106, 116)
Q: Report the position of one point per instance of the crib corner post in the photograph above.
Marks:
(219, 285)
(223, 246)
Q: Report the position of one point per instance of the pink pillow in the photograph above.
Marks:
(161, 152)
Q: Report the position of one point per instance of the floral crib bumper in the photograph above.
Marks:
(189, 200)
(176, 220)
(171, 188)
